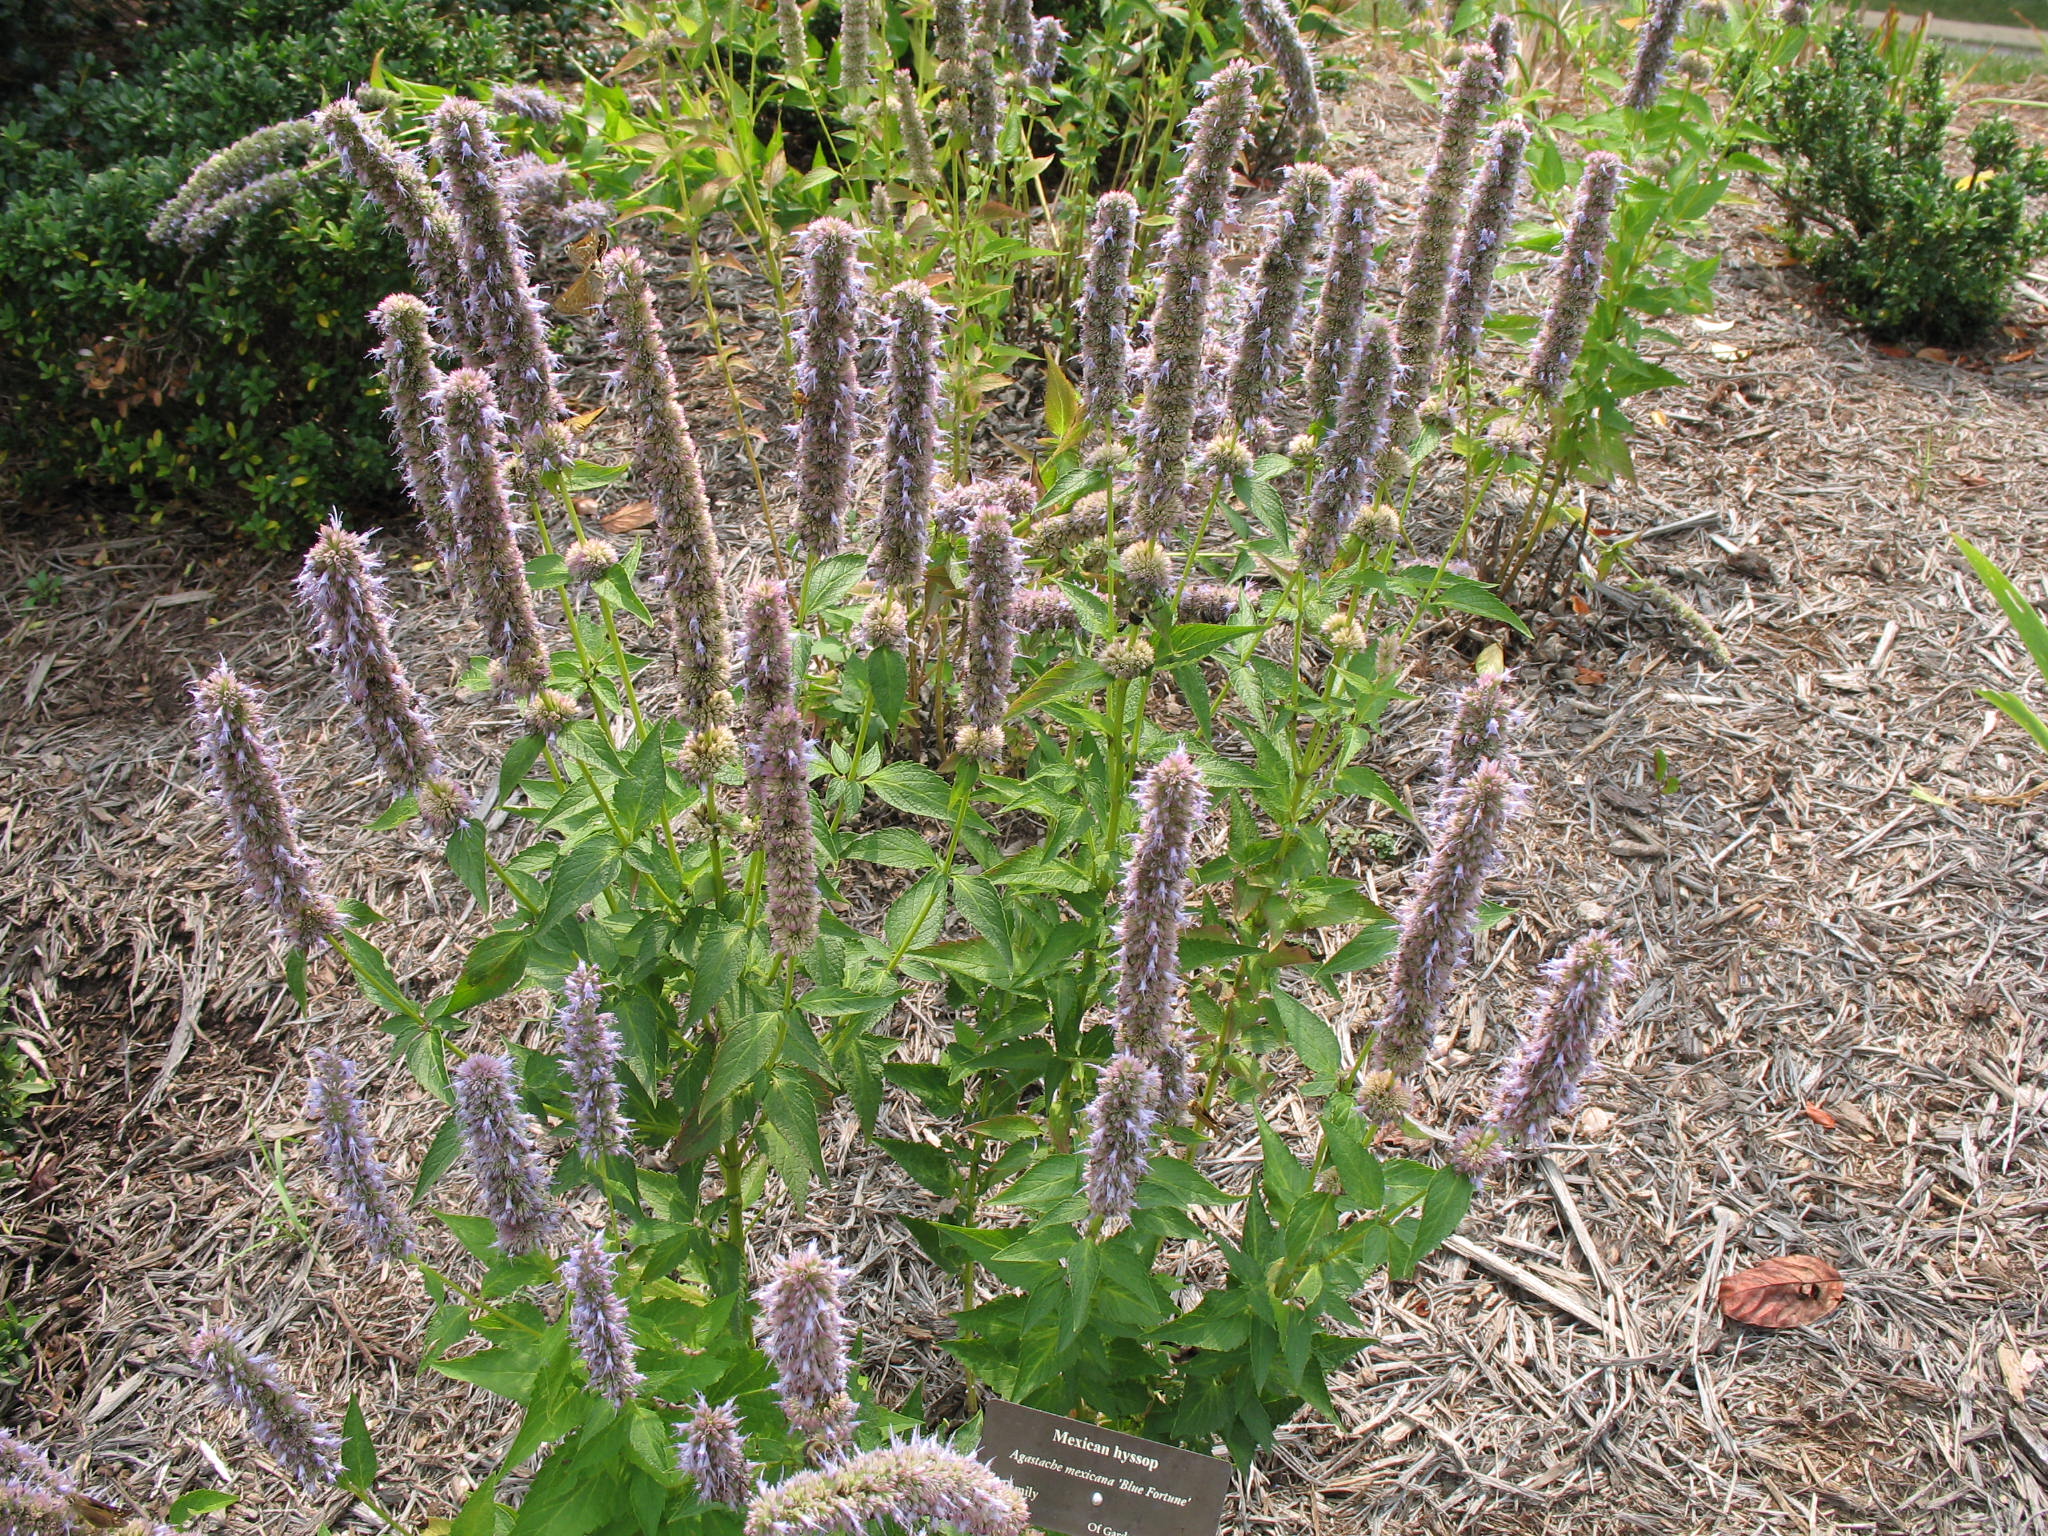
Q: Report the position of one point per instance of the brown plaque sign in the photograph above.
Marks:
(1083, 1481)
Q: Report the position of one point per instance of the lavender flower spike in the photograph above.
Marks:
(590, 1061)
(711, 1448)
(1121, 1120)
(1484, 723)
(1500, 42)
(25, 1466)
(280, 1420)
(988, 637)
(262, 825)
(411, 381)
(1106, 308)
(1487, 226)
(665, 458)
(251, 159)
(484, 532)
(502, 305)
(916, 135)
(1350, 464)
(910, 436)
(766, 666)
(856, 52)
(340, 584)
(1436, 925)
(1201, 204)
(1347, 285)
(1425, 280)
(501, 1140)
(1574, 1012)
(597, 1321)
(914, 1485)
(1267, 335)
(1272, 27)
(1576, 279)
(1654, 40)
(828, 422)
(1172, 804)
(361, 1185)
(792, 37)
(778, 779)
(802, 1329)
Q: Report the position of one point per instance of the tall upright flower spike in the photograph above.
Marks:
(1500, 42)
(250, 159)
(474, 475)
(397, 183)
(910, 436)
(767, 667)
(913, 131)
(362, 1186)
(985, 103)
(1575, 1010)
(411, 380)
(792, 36)
(1437, 923)
(711, 1448)
(1483, 725)
(778, 775)
(503, 306)
(1172, 803)
(262, 824)
(665, 458)
(279, 1420)
(1575, 282)
(802, 1329)
(856, 52)
(1425, 280)
(1106, 308)
(950, 27)
(501, 1142)
(590, 1061)
(1488, 224)
(1350, 460)
(1654, 41)
(1121, 1120)
(1272, 27)
(828, 422)
(341, 586)
(1047, 34)
(1201, 204)
(1347, 288)
(1267, 335)
(988, 637)
(914, 1485)
(1020, 33)
(597, 1321)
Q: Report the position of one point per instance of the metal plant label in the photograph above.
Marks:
(1083, 1481)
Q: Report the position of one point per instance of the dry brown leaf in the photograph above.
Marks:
(1819, 1116)
(634, 514)
(1787, 1292)
(1589, 676)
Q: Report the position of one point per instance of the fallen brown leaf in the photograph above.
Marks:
(1932, 355)
(2016, 357)
(634, 514)
(1819, 1116)
(1587, 676)
(1890, 350)
(1787, 1292)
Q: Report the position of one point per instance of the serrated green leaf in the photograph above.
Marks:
(744, 1050)
(494, 967)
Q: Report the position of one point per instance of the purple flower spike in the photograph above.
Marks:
(502, 1144)
(362, 1186)
(829, 420)
(1272, 26)
(1654, 40)
(1488, 225)
(597, 1321)
(1172, 804)
(340, 584)
(1266, 338)
(1437, 923)
(913, 1485)
(778, 778)
(988, 635)
(1121, 1121)
(802, 1329)
(711, 1449)
(262, 824)
(1575, 282)
(1347, 287)
(1572, 1015)
(1350, 462)
(280, 1420)
(484, 532)
(1483, 727)
(665, 458)
(411, 381)
(590, 1060)
(766, 663)
(910, 436)
(1106, 308)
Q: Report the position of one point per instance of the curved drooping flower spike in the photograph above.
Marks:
(1438, 921)
(1575, 283)
(474, 475)
(913, 1485)
(597, 1321)
(501, 1142)
(411, 381)
(803, 1331)
(1488, 225)
(279, 1419)
(1350, 460)
(590, 1061)
(988, 635)
(1106, 308)
(262, 824)
(362, 1186)
(1121, 1121)
(254, 158)
(1172, 804)
(828, 421)
(1273, 28)
(1187, 266)
(1654, 41)
(1540, 1085)
(910, 436)
(1266, 338)
(341, 586)
(692, 571)
(711, 1448)
(529, 103)
(1347, 287)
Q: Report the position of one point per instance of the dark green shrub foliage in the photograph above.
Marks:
(230, 381)
(1908, 243)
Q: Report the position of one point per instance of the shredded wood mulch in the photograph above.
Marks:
(1835, 888)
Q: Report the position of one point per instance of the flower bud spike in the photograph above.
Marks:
(474, 474)
(279, 1419)
(1347, 291)
(1272, 27)
(1106, 308)
(501, 1142)
(411, 381)
(828, 422)
(910, 436)
(988, 636)
(1266, 338)
(803, 1331)
(1121, 1121)
(1488, 226)
(362, 1186)
(1172, 805)
(1575, 281)
(1349, 473)
(1540, 1084)
(590, 1061)
(597, 1321)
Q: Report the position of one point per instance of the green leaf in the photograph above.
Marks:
(1176, 1185)
(1191, 642)
(585, 476)
(913, 788)
(1344, 1136)
(2021, 614)
(927, 1164)
(1084, 1263)
(195, 1502)
(402, 810)
(465, 856)
(479, 1516)
(1358, 779)
(1368, 948)
(977, 900)
(888, 684)
(295, 978)
(578, 874)
(789, 1133)
(1062, 402)
(831, 580)
(441, 1154)
(917, 916)
(519, 759)
(358, 1450)
(1310, 1035)
(2018, 711)
(1449, 1197)
(1285, 1178)
(1063, 680)
(1446, 589)
(746, 1047)
(495, 967)
(373, 974)
(896, 847)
